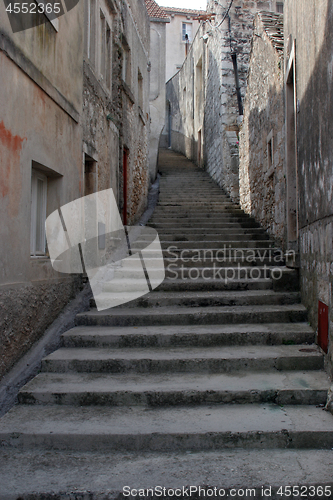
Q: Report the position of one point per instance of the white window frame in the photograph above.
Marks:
(35, 176)
(186, 32)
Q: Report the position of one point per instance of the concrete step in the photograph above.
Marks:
(176, 271)
(210, 243)
(195, 336)
(223, 359)
(225, 252)
(122, 286)
(238, 473)
(217, 228)
(98, 428)
(221, 236)
(208, 298)
(86, 389)
(209, 225)
(121, 316)
(207, 259)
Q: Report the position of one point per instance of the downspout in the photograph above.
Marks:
(238, 90)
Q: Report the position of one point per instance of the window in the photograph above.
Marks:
(140, 90)
(91, 31)
(279, 7)
(108, 56)
(89, 175)
(269, 151)
(187, 30)
(126, 69)
(103, 46)
(38, 212)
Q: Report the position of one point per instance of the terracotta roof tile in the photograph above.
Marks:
(155, 11)
(177, 10)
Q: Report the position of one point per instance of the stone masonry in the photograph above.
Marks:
(262, 182)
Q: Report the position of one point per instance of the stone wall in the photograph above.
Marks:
(115, 116)
(262, 138)
(216, 114)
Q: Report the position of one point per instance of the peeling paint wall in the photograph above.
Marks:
(40, 102)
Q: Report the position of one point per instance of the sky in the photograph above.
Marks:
(185, 4)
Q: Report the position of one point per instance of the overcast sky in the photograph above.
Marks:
(185, 4)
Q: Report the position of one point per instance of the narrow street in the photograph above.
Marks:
(219, 359)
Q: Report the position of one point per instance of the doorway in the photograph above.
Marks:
(125, 172)
(291, 154)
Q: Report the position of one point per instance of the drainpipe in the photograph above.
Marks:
(238, 92)
(187, 43)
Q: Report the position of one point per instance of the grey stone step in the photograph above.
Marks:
(103, 475)
(203, 227)
(198, 335)
(209, 225)
(213, 427)
(218, 298)
(119, 316)
(86, 389)
(215, 359)
(192, 259)
(225, 252)
(122, 285)
(221, 236)
(218, 231)
(176, 271)
(213, 243)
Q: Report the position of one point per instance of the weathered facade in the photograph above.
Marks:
(182, 22)
(74, 101)
(116, 102)
(185, 93)
(226, 38)
(300, 87)
(308, 29)
(158, 21)
(41, 169)
(262, 184)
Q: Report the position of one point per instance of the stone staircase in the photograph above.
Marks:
(218, 360)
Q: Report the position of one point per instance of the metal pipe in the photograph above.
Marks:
(239, 96)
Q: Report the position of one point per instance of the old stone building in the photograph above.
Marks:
(286, 129)
(262, 184)
(185, 103)
(308, 35)
(225, 38)
(180, 33)
(158, 22)
(74, 101)
(41, 169)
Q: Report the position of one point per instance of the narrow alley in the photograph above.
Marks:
(215, 371)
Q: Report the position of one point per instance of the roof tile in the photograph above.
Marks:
(155, 11)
